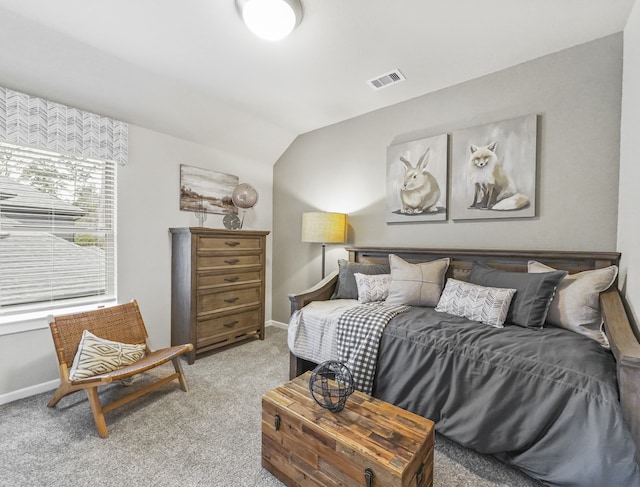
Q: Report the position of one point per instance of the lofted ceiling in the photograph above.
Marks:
(191, 68)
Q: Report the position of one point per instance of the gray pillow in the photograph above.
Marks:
(416, 284)
(534, 292)
(576, 305)
(346, 287)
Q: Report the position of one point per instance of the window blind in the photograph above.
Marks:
(57, 229)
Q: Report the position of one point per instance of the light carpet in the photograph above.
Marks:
(207, 436)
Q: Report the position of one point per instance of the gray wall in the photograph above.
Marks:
(148, 205)
(628, 227)
(577, 95)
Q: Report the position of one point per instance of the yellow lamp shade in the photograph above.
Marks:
(324, 227)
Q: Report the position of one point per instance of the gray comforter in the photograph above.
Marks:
(545, 400)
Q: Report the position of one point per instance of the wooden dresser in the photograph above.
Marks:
(217, 287)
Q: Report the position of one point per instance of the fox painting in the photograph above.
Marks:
(493, 188)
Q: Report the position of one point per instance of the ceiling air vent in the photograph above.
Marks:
(386, 79)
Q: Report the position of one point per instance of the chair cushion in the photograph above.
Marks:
(97, 356)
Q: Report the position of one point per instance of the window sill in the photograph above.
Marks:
(37, 320)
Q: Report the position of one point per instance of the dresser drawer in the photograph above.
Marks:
(206, 280)
(219, 301)
(229, 243)
(211, 329)
(208, 261)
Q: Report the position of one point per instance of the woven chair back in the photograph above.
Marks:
(121, 323)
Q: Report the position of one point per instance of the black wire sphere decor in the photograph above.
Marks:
(331, 384)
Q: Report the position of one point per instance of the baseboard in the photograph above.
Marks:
(29, 391)
(53, 384)
(277, 324)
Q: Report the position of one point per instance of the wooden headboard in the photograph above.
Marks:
(461, 262)
(622, 337)
(512, 260)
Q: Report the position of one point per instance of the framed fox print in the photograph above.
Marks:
(417, 180)
(493, 170)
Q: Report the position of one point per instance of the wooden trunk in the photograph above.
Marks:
(369, 442)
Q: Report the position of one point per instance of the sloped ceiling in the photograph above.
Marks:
(191, 68)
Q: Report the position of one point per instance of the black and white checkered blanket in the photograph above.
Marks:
(358, 337)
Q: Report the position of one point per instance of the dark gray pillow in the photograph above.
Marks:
(531, 302)
(347, 287)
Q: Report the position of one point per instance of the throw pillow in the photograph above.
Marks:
(530, 305)
(372, 287)
(489, 305)
(346, 287)
(97, 356)
(416, 284)
(576, 305)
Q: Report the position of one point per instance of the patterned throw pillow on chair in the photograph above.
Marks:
(97, 356)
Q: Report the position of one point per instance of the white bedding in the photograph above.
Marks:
(312, 329)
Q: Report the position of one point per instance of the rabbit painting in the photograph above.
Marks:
(420, 191)
(417, 173)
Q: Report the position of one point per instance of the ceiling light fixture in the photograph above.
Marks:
(271, 20)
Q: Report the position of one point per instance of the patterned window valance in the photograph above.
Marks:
(41, 123)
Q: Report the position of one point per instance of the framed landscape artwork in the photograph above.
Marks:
(493, 170)
(206, 190)
(417, 181)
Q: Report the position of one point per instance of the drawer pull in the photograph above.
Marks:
(231, 279)
(230, 324)
(369, 477)
(232, 244)
(276, 421)
(231, 300)
(231, 261)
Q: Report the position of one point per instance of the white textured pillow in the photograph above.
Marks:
(489, 305)
(576, 305)
(372, 287)
(97, 356)
(416, 284)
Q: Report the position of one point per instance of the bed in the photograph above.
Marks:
(551, 402)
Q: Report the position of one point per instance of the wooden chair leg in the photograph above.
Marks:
(178, 368)
(62, 391)
(96, 409)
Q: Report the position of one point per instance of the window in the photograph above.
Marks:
(57, 229)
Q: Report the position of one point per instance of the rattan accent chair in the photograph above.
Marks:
(121, 323)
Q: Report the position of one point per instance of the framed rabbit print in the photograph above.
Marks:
(417, 181)
(493, 170)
